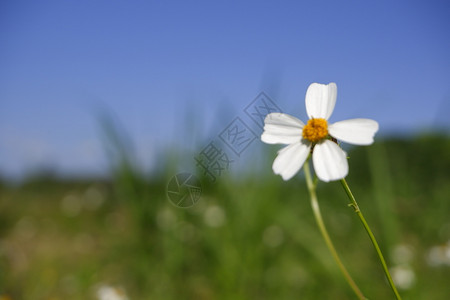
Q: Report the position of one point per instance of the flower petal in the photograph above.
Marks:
(281, 128)
(320, 100)
(290, 159)
(330, 161)
(354, 131)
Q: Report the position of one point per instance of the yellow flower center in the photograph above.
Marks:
(315, 130)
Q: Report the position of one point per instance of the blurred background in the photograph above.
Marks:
(102, 103)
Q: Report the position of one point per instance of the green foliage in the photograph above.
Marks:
(252, 238)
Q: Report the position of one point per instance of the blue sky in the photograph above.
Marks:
(157, 65)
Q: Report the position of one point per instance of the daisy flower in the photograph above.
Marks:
(317, 136)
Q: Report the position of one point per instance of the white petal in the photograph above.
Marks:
(330, 161)
(320, 100)
(282, 119)
(290, 159)
(354, 131)
(281, 128)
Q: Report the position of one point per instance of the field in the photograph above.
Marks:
(251, 236)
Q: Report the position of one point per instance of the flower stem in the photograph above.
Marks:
(315, 206)
(355, 206)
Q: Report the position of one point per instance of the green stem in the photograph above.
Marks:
(323, 231)
(355, 206)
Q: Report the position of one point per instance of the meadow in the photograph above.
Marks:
(251, 236)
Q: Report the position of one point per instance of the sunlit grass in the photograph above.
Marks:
(252, 238)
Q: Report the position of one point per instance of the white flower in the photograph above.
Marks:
(106, 292)
(330, 161)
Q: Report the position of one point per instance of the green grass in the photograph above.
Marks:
(252, 238)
